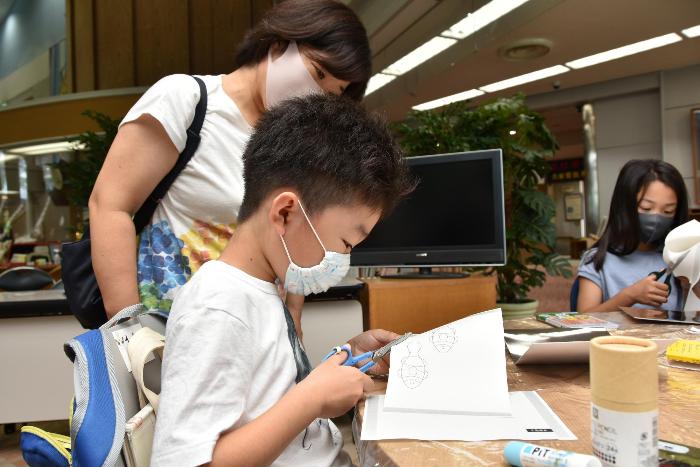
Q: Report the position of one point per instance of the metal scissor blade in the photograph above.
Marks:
(672, 268)
(379, 353)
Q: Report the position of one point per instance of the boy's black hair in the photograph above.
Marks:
(622, 233)
(327, 148)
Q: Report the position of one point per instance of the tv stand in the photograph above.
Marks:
(420, 305)
(426, 273)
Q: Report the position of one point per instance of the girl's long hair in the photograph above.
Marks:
(622, 234)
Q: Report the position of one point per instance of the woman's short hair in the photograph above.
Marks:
(330, 31)
(622, 233)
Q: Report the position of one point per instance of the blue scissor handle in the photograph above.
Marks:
(352, 360)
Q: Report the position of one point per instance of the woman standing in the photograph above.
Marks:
(300, 46)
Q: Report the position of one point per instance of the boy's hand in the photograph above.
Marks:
(336, 388)
(370, 341)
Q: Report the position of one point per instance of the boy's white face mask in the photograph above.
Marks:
(319, 278)
(287, 77)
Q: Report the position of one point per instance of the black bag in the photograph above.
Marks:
(82, 291)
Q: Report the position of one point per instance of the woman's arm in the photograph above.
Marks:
(647, 291)
(141, 155)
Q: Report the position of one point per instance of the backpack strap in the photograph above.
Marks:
(145, 212)
(142, 344)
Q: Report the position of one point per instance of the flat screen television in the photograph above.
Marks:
(455, 217)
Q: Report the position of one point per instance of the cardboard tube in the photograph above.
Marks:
(624, 401)
(624, 374)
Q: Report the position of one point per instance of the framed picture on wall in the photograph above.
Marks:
(573, 206)
(695, 135)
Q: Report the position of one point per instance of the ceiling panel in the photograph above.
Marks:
(576, 28)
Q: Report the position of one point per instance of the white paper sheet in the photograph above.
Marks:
(456, 368)
(532, 419)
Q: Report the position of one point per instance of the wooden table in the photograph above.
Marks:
(567, 391)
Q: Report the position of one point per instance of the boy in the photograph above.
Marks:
(236, 384)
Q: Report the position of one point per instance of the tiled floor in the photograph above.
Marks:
(10, 455)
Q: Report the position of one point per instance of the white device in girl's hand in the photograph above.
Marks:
(682, 252)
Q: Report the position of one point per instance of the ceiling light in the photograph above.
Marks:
(526, 78)
(624, 51)
(462, 96)
(423, 53)
(4, 157)
(377, 81)
(484, 16)
(512, 132)
(46, 148)
(692, 32)
(525, 49)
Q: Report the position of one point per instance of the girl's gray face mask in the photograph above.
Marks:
(653, 227)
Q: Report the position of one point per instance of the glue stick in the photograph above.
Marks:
(530, 455)
(624, 401)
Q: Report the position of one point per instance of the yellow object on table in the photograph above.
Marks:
(684, 350)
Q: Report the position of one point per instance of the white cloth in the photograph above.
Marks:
(195, 219)
(228, 359)
(685, 240)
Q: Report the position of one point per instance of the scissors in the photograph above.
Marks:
(373, 356)
(669, 270)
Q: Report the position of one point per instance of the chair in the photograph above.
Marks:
(573, 295)
(24, 278)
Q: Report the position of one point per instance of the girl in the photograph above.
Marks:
(649, 200)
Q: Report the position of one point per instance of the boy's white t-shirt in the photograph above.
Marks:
(195, 219)
(228, 359)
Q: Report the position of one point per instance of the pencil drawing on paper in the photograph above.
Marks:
(444, 338)
(413, 369)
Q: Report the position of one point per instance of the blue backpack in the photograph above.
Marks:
(106, 396)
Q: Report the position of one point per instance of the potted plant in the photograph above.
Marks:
(80, 172)
(527, 144)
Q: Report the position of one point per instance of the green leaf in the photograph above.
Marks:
(530, 231)
(80, 173)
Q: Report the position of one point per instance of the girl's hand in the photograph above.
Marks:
(648, 291)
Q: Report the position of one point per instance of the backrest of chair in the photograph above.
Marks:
(573, 295)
